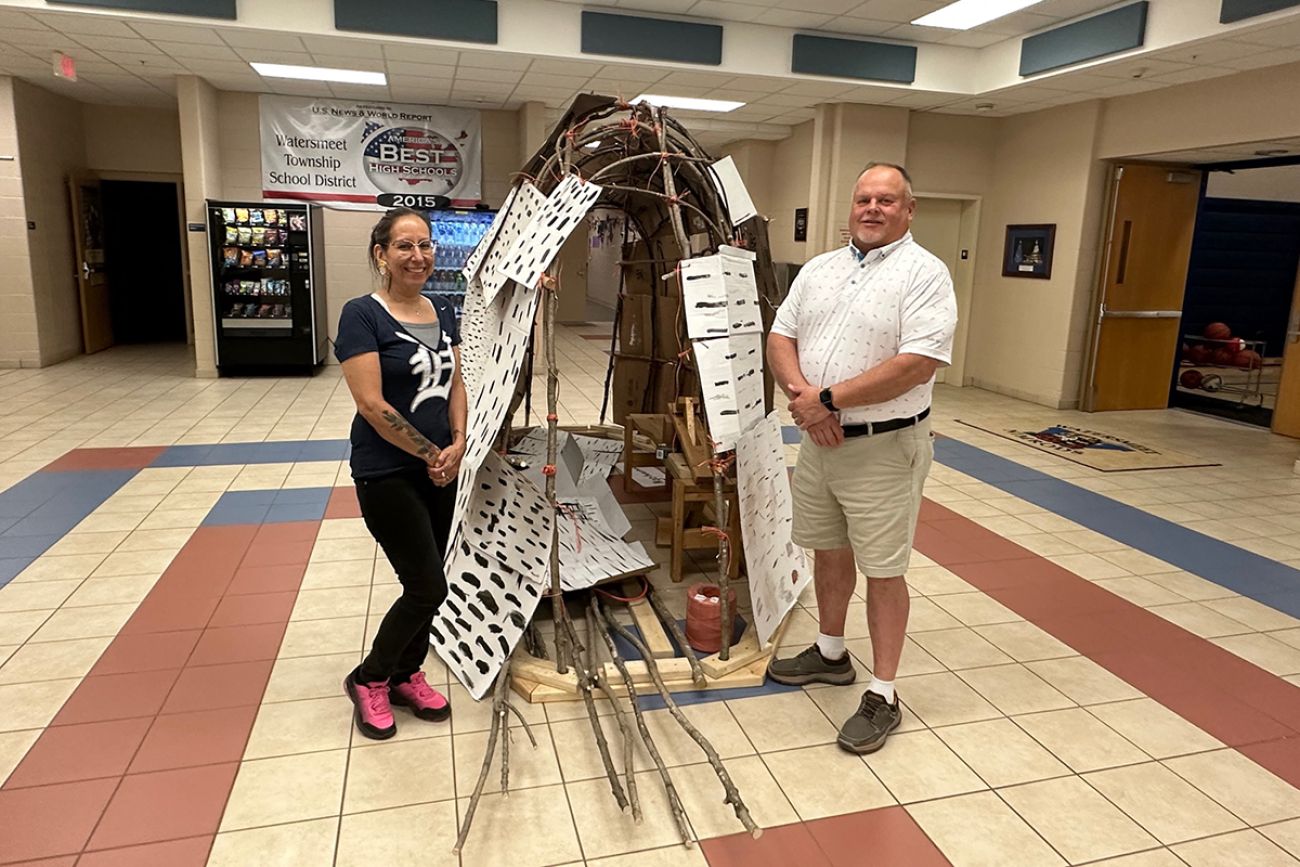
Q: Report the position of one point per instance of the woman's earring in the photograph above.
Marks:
(383, 269)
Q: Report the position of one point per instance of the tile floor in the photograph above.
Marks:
(1101, 668)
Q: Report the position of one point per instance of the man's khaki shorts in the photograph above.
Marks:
(864, 494)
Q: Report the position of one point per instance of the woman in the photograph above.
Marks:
(399, 357)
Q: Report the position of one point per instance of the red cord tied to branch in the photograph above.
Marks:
(552, 417)
(721, 535)
(645, 589)
(548, 470)
(718, 465)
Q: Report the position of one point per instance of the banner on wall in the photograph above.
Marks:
(349, 152)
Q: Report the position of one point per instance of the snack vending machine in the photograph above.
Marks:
(268, 285)
(456, 233)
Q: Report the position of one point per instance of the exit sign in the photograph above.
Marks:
(65, 66)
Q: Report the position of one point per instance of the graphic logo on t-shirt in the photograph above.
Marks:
(434, 370)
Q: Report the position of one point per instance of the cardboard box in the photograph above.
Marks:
(635, 337)
(632, 380)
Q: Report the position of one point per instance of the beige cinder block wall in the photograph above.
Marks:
(18, 335)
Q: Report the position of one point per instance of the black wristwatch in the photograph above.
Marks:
(826, 400)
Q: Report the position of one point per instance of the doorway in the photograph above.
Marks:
(142, 261)
(948, 228)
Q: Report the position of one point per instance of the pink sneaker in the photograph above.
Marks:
(423, 700)
(374, 715)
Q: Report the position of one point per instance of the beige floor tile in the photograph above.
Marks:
(343, 528)
(1289, 637)
(1014, 689)
(124, 590)
(925, 616)
(1239, 849)
(151, 540)
(286, 789)
(1083, 680)
(1079, 823)
(944, 699)
(979, 830)
(295, 845)
(468, 715)
(934, 580)
(1090, 566)
(1168, 807)
(35, 595)
(1024, 642)
(715, 720)
(669, 856)
(495, 839)
(31, 705)
(307, 677)
(134, 563)
(87, 543)
(1190, 586)
(960, 648)
(1154, 728)
(1254, 614)
(69, 623)
(1252, 793)
(1151, 858)
(73, 567)
(530, 767)
(331, 603)
(415, 836)
(53, 660)
(310, 725)
(13, 747)
(1137, 562)
(18, 626)
(1140, 591)
(1201, 620)
(173, 519)
(337, 573)
(803, 775)
(783, 721)
(1265, 651)
(577, 753)
(976, 609)
(917, 766)
(606, 831)
(320, 637)
(1285, 834)
(401, 773)
(1080, 740)
(327, 550)
(1001, 753)
(702, 794)
(382, 596)
(914, 659)
(102, 523)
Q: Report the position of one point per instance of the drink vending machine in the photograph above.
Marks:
(457, 233)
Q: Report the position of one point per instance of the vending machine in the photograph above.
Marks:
(268, 286)
(457, 233)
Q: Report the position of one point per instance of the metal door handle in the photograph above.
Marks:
(1142, 314)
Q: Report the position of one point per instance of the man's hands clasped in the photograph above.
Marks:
(811, 415)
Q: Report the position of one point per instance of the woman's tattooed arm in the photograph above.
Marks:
(422, 447)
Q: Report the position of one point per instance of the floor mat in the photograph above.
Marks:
(1095, 449)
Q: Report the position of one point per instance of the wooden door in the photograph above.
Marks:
(937, 228)
(1148, 244)
(1286, 415)
(88, 232)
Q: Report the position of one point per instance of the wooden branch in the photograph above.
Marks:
(674, 800)
(726, 616)
(498, 697)
(585, 680)
(629, 746)
(551, 290)
(733, 796)
(505, 747)
(670, 623)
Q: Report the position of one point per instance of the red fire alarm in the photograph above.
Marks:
(65, 66)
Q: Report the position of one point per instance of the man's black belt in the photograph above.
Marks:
(878, 427)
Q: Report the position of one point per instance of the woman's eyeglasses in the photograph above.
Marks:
(406, 247)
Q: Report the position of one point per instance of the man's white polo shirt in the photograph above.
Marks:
(849, 311)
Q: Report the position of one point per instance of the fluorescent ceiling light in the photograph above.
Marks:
(965, 14)
(320, 73)
(688, 102)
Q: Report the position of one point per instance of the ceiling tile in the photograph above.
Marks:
(974, 38)
(817, 89)
(358, 91)
(339, 61)
(565, 67)
(1211, 52)
(496, 60)
(274, 41)
(1142, 67)
(472, 73)
(423, 70)
(912, 33)
(1196, 73)
(203, 66)
(343, 47)
(428, 54)
(1262, 59)
(724, 11)
(1282, 34)
(548, 80)
(670, 7)
(14, 20)
(793, 18)
(176, 33)
(189, 50)
(89, 25)
(146, 64)
(896, 10)
(270, 55)
(859, 26)
(106, 44)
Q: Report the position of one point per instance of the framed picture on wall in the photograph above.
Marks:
(1028, 251)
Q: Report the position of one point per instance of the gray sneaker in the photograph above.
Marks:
(866, 730)
(811, 667)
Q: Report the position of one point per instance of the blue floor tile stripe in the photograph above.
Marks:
(1268, 581)
(275, 452)
(40, 510)
(269, 507)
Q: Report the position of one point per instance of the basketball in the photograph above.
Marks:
(1248, 359)
(1235, 344)
(1225, 356)
(1217, 331)
(1199, 355)
(1190, 379)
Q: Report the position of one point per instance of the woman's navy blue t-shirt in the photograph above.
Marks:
(415, 380)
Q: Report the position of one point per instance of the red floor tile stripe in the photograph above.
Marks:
(1232, 699)
(138, 764)
(126, 458)
(887, 837)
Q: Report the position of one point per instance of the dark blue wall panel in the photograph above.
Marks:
(651, 38)
(1108, 33)
(458, 20)
(1237, 10)
(853, 58)
(198, 8)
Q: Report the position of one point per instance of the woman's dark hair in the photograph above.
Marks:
(382, 233)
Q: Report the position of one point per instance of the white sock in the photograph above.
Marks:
(830, 646)
(882, 687)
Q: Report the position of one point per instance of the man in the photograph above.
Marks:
(856, 346)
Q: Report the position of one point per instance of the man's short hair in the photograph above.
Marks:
(907, 179)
